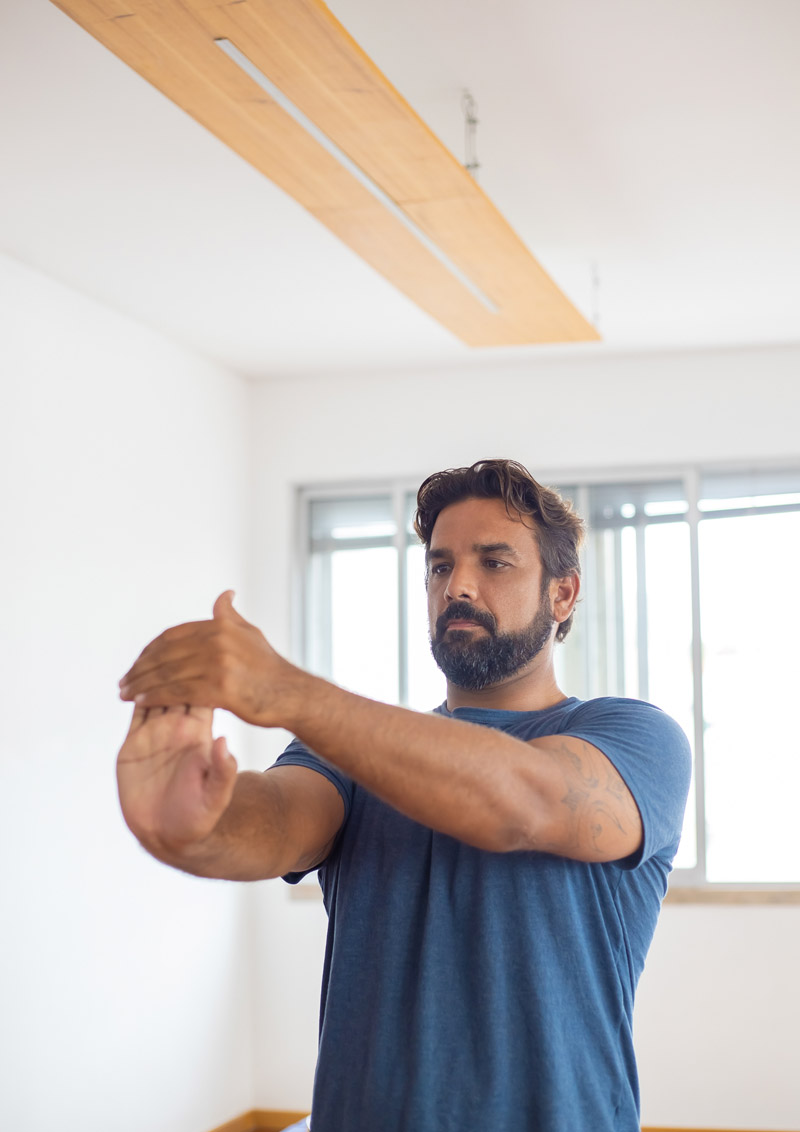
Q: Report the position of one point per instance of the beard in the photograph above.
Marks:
(476, 664)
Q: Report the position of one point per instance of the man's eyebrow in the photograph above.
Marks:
(495, 548)
(478, 548)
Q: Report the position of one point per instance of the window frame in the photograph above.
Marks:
(687, 884)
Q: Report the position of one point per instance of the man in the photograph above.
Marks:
(492, 871)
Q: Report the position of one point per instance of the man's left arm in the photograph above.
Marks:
(556, 794)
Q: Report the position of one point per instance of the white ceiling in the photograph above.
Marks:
(657, 139)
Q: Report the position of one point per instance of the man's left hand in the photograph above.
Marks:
(222, 663)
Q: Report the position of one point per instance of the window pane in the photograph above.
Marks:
(669, 644)
(612, 610)
(633, 635)
(426, 684)
(602, 610)
(622, 517)
(367, 518)
(364, 618)
(639, 607)
(762, 487)
(411, 510)
(752, 751)
(611, 504)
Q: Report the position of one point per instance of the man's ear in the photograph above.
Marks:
(563, 595)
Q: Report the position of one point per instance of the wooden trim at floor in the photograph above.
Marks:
(275, 1120)
(261, 1120)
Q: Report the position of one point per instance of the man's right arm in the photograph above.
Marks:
(183, 799)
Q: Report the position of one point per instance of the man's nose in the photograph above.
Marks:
(461, 585)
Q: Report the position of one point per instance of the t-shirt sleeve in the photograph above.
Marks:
(652, 755)
(297, 754)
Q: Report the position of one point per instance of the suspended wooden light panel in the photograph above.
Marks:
(335, 135)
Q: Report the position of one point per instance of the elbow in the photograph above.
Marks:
(519, 832)
(515, 838)
(527, 826)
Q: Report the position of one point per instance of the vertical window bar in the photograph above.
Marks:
(400, 545)
(615, 624)
(606, 569)
(617, 687)
(641, 611)
(692, 482)
(321, 646)
(301, 582)
(589, 610)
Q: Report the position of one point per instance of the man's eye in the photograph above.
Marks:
(439, 568)
(494, 564)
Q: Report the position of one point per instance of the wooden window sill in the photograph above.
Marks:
(732, 894)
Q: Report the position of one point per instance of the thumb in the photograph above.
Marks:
(223, 608)
(223, 763)
(222, 773)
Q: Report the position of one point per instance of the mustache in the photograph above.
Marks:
(463, 611)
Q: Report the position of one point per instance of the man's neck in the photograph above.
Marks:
(532, 689)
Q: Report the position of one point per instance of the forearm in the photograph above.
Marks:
(555, 793)
(249, 842)
(474, 783)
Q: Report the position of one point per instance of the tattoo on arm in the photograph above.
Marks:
(598, 807)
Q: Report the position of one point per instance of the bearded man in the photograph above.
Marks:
(492, 871)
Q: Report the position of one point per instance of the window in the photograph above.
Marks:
(689, 601)
(366, 622)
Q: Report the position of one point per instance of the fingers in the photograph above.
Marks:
(142, 714)
(201, 663)
(169, 667)
(179, 694)
(137, 719)
(178, 644)
(171, 641)
(203, 714)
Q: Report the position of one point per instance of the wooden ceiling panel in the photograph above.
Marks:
(304, 51)
(524, 291)
(327, 75)
(373, 233)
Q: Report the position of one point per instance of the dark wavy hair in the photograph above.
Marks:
(558, 528)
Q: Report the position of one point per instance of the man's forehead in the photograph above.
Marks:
(482, 525)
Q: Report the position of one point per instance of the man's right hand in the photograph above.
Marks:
(175, 781)
(182, 797)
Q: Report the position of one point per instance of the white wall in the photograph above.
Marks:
(124, 478)
(715, 1025)
(126, 993)
(716, 1018)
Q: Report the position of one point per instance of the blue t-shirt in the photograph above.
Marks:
(471, 991)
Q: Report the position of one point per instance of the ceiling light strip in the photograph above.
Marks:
(294, 112)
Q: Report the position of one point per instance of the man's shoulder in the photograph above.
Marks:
(638, 737)
(614, 712)
(621, 708)
(616, 706)
(627, 715)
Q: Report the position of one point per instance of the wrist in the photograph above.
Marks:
(180, 851)
(292, 696)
